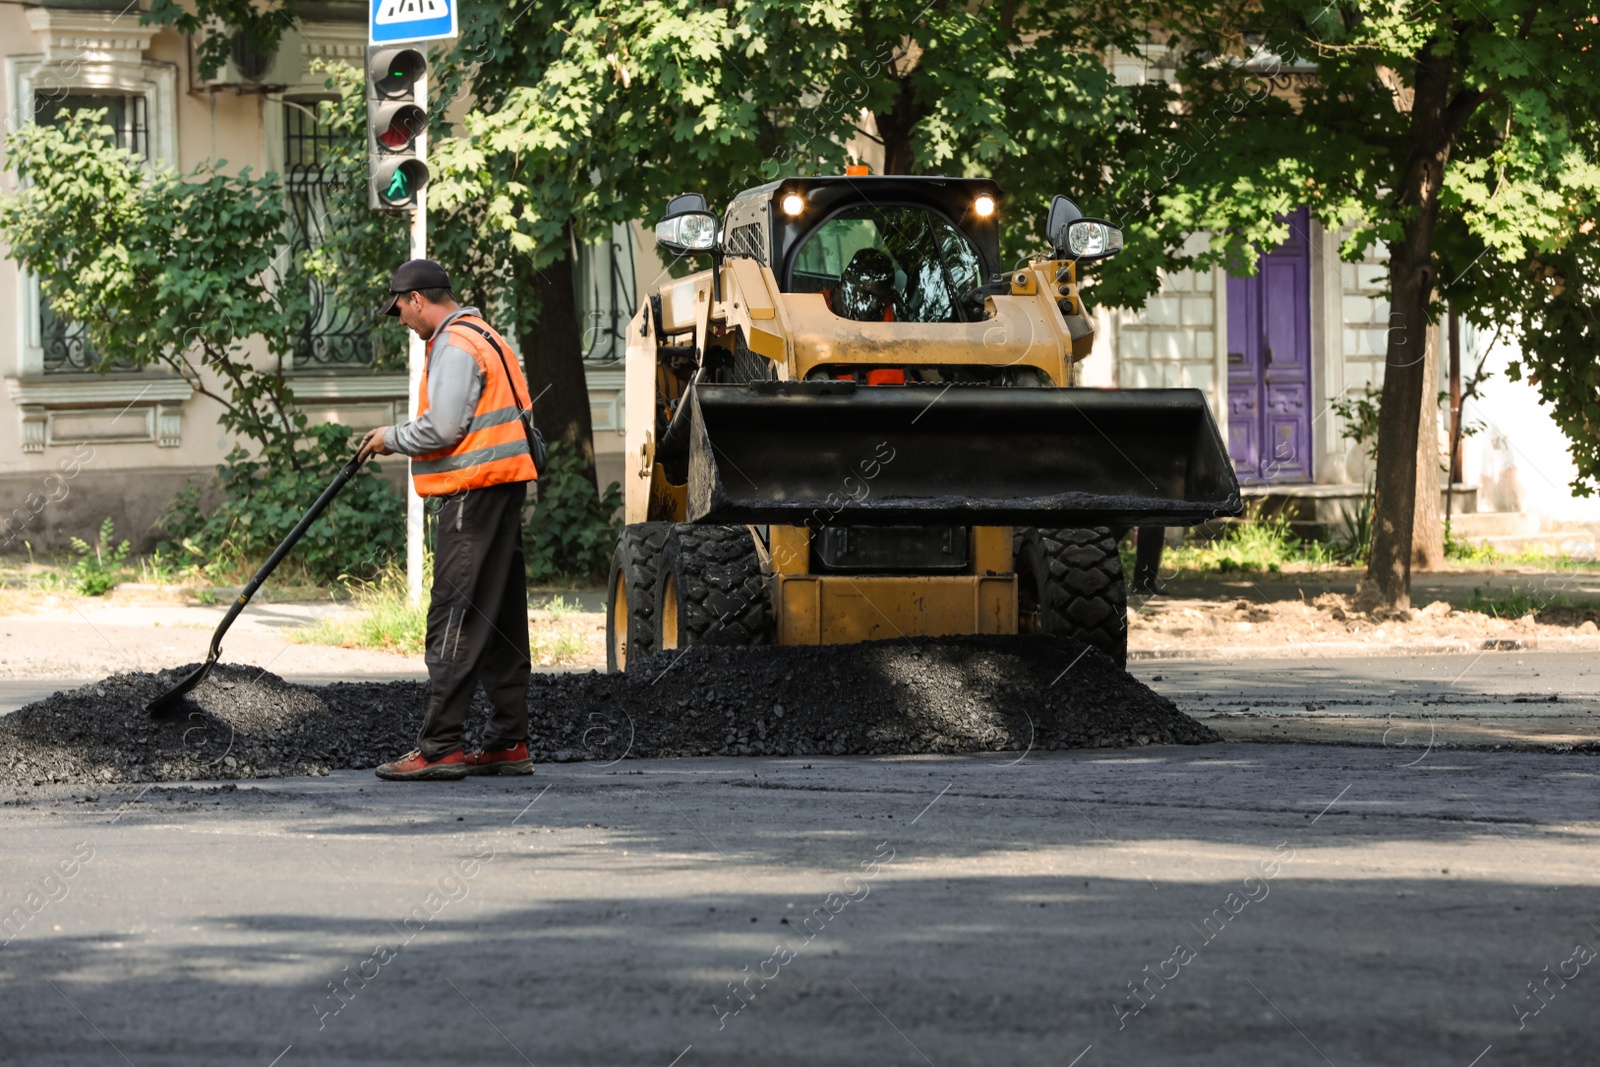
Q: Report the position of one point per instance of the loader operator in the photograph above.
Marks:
(866, 288)
(472, 455)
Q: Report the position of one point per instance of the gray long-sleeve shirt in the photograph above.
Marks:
(455, 384)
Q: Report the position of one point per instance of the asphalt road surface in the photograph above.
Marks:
(1521, 699)
(1227, 904)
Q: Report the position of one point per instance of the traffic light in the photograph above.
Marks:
(397, 111)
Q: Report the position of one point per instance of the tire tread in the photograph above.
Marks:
(721, 588)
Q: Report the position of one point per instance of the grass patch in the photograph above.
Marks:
(1266, 544)
(1503, 606)
(1261, 544)
(382, 617)
(1552, 609)
(25, 581)
(1461, 550)
(556, 636)
(1482, 553)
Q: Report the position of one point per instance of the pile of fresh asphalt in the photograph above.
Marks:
(940, 695)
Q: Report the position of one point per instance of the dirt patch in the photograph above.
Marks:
(1286, 627)
(942, 695)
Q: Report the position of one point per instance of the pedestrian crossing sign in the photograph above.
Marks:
(404, 21)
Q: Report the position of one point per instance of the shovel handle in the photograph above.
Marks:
(347, 472)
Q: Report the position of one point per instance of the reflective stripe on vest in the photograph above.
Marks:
(495, 448)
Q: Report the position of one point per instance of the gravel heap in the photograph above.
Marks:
(941, 695)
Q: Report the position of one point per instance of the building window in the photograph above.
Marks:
(66, 345)
(332, 336)
(125, 114)
(606, 301)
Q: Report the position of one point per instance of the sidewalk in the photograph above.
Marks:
(77, 638)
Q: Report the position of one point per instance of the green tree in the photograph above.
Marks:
(595, 112)
(187, 272)
(588, 113)
(1458, 135)
(161, 268)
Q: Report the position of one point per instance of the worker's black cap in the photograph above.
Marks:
(414, 274)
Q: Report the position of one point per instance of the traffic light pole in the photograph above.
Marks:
(415, 358)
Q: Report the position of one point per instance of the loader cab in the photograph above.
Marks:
(940, 237)
(888, 263)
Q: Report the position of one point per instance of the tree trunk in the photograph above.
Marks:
(1387, 583)
(895, 126)
(552, 356)
(1427, 529)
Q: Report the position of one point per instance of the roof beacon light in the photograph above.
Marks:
(983, 206)
(793, 204)
(856, 170)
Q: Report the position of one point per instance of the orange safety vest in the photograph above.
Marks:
(495, 449)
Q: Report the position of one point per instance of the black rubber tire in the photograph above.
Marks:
(721, 593)
(636, 562)
(1070, 582)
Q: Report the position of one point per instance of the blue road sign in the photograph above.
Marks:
(404, 21)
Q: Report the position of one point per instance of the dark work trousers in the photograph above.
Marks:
(478, 620)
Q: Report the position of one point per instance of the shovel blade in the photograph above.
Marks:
(168, 702)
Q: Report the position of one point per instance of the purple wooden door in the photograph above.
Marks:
(1269, 363)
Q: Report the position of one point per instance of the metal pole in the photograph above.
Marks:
(415, 357)
(1455, 394)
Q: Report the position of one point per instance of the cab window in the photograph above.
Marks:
(888, 264)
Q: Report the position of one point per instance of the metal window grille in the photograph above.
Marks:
(332, 336)
(606, 297)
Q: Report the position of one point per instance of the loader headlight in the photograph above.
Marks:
(793, 204)
(983, 206)
(1091, 239)
(689, 231)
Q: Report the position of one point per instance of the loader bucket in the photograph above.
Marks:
(815, 453)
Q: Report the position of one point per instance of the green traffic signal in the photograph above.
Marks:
(398, 183)
(394, 70)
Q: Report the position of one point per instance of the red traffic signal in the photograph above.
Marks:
(395, 126)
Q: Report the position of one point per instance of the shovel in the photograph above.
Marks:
(170, 700)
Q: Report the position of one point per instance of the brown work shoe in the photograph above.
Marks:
(513, 760)
(414, 767)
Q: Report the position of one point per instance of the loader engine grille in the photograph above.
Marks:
(747, 240)
(896, 549)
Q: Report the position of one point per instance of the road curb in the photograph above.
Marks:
(1338, 649)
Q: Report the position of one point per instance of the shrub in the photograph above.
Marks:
(264, 496)
(99, 566)
(1356, 544)
(573, 531)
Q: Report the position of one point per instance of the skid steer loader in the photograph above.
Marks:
(857, 425)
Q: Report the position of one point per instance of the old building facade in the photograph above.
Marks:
(78, 445)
